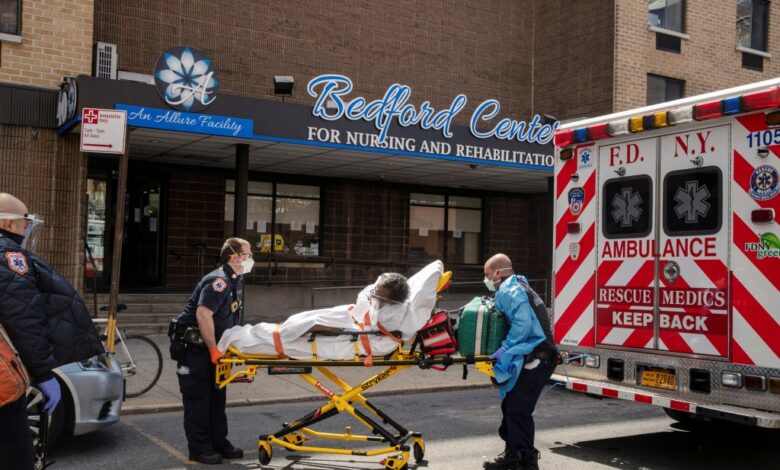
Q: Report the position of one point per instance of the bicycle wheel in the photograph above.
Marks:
(141, 362)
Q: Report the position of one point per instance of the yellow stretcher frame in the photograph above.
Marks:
(292, 435)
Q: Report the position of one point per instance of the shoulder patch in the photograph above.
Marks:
(17, 262)
(218, 284)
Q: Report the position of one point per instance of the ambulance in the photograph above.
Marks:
(666, 254)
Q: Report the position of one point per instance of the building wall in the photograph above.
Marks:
(56, 42)
(573, 57)
(439, 49)
(196, 204)
(48, 173)
(708, 60)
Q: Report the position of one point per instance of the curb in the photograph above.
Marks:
(169, 407)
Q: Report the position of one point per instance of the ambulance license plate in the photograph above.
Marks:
(659, 378)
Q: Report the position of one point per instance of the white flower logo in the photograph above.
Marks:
(184, 81)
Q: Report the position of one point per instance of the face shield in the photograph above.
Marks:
(33, 224)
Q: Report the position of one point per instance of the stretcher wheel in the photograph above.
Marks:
(264, 453)
(418, 449)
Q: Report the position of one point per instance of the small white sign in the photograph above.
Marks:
(295, 225)
(423, 231)
(310, 227)
(457, 233)
(103, 130)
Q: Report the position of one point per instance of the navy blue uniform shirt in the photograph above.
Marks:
(221, 291)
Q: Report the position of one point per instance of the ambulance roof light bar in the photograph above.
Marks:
(716, 95)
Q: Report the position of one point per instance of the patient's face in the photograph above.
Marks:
(382, 295)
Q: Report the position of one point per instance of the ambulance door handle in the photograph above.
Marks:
(698, 161)
(621, 171)
(671, 271)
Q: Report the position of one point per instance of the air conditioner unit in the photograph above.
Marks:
(104, 60)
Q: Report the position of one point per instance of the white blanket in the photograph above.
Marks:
(406, 318)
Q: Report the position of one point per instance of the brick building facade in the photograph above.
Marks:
(567, 59)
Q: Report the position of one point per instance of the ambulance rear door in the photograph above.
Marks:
(625, 279)
(693, 314)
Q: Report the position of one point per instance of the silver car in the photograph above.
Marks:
(92, 394)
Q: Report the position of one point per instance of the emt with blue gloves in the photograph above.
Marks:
(524, 362)
(46, 321)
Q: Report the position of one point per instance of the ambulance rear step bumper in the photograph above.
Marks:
(764, 419)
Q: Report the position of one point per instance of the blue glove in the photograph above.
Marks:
(499, 352)
(51, 390)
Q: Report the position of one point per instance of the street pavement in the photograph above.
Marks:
(574, 431)
(266, 388)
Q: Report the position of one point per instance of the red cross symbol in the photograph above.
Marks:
(90, 116)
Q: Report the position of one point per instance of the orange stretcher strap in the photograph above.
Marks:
(364, 340)
(387, 333)
(278, 342)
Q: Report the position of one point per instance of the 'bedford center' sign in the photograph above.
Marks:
(330, 91)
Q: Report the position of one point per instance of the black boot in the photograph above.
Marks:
(530, 461)
(508, 459)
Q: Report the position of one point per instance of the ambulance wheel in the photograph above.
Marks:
(419, 450)
(264, 453)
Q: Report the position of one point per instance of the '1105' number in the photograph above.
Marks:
(764, 138)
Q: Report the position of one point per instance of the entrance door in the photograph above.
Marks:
(693, 242)
(625, 278)
(142, 240)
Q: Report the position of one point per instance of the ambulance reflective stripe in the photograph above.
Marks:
(755, 322)
(574, 280)
(631, 396)
(755, 282)
(625, 324)
(561, 226)
(687, 324)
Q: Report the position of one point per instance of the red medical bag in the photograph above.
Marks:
(437, 336)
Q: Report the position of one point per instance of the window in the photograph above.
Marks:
(666, 14)
(627, 211)
(662, 89)
(288, 214)
(692, 201)
(752, 17)
(11, 20)
(445, 227)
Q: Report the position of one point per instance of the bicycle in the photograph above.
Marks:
(140, 358)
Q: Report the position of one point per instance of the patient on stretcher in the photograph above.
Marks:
(391, 304)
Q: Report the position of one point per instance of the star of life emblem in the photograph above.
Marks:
(626, 207)
(585, 159)
(17, 262)
(764, 183)
(218, 284)
(692, 202)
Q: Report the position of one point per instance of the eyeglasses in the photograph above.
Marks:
(374, 295)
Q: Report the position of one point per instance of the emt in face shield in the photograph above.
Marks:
(216, 304)
(46, 330)
(524, 362)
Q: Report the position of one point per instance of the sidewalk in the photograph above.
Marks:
(266, 388)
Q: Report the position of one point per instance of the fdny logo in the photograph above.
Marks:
(219, 284)
(574, 251)
(764, 183)
(576, 200)
(17, 262)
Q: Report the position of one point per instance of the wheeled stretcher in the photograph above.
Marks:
(396, 439)
(237, 366)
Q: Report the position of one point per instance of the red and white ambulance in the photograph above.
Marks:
(667, 255)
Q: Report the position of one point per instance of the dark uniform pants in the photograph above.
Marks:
(205, 421)
(517, 424)
(16, 442)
